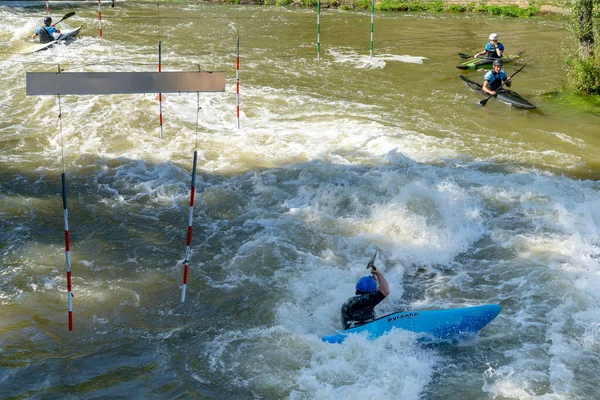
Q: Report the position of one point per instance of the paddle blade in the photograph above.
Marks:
(463, 55)
(371, 261)
(484, 101)
(68, 15)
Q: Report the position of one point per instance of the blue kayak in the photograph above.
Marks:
(451, 323)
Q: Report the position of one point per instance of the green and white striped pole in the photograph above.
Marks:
(319, 30)
(372, 27)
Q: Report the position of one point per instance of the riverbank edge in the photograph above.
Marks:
(509, 8)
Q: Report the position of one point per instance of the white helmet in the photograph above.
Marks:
(494, 36)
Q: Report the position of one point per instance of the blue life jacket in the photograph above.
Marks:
(494, 79)
(46, 33)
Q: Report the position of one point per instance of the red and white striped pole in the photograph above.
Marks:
(47, 7)
(160, 94)
(67, 250)
(237, 82)
(186, 263)
(99, 18)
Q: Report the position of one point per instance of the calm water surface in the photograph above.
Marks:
(467, 205)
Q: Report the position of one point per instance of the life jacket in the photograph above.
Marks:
(360, 309)
(492, 54)
(495, 84)
(45, 36)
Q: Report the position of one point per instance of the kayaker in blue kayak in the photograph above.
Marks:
(493, 49)
(494, 78)
(370, 291)
(47, 33)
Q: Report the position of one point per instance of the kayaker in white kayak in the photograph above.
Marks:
(494, 78)
(370, 291)
(46, 33)
(493, 49)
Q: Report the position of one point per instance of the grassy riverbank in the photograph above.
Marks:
(509, 8)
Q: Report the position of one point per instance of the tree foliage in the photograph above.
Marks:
(583, 60)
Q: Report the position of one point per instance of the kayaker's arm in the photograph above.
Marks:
(508, 81)
(384, 287)
(485, 88)
(480, 53)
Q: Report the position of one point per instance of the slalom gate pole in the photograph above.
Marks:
(67, 250)
(160, 114)
(99, 18)
(47, 7)
(237, 82)
(66, 221)
(372, 28)
(186, 263)
(319, 30)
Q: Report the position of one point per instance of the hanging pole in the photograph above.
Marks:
(65, 218)
(67, 249)
(186, 263)
(319, 30)
(47, 7)
(372, 27)
(237, 82)
(160, 94)
(99, 19)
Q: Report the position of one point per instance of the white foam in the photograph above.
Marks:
(370, 62)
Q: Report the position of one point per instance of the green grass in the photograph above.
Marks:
(437, 6)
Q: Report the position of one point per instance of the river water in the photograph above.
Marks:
(333, 160)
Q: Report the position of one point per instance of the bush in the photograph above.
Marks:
(583, 56)
(457, 8)
(393, 5)
(585, 74)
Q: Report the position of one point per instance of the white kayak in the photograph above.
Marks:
(66, 37)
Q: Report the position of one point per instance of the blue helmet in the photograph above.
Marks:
(366, 284)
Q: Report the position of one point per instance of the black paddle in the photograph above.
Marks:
(68, 15)
(482, 102)
(371, 264)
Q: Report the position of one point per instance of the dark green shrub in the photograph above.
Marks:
(364, 4)
(457, 8)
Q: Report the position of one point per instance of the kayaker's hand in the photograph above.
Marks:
(375, 273)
